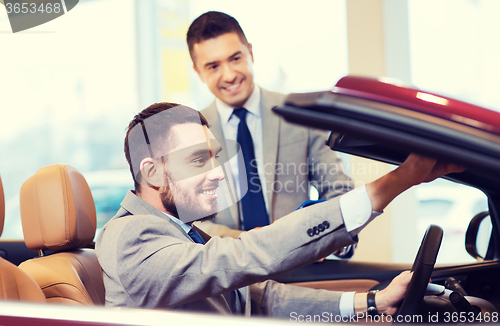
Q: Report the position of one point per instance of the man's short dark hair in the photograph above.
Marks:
(150, 137)
(210, 25)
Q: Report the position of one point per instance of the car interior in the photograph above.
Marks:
(59, 221)
(58, 218)
(15, 284)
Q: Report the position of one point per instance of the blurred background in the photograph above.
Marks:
(68, 88)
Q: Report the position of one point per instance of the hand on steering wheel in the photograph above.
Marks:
(422, 270)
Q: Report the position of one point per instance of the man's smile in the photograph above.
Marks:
(210, 192)
(234, 87)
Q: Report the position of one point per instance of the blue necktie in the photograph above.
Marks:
(196, 236)
(252, 204)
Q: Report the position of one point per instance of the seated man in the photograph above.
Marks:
(152, 257)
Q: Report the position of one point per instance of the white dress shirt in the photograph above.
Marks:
(356, 209)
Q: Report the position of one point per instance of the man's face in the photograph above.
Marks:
(225, 64)
(193, 174)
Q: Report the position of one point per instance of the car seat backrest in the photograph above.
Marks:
(15, 284)
(58, 214)
(57, 209)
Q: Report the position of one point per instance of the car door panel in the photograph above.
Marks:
(357, 285)
(342, 270)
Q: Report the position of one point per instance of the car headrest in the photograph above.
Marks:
(2, 207)
(57, 209)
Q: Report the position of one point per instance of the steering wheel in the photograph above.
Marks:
(422, 270)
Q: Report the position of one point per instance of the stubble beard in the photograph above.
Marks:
(192, 208)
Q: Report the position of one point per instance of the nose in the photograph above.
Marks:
(216, 173)
(228, 73)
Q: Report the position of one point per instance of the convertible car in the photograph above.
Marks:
(383, 121)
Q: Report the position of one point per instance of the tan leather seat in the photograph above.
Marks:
(14, 283)
(58, 214)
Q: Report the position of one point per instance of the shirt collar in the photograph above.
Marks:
(186, 228)
(252, 104)
(132, 197)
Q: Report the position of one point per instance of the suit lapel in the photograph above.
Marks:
(216, 128)
(213, 120)
(270, 136)
(137, 206)
(230, 300)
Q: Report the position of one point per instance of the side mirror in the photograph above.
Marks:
(477, 237)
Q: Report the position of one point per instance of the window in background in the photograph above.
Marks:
(454, 52)
(454, 49)
(450, 206)
(67, 94)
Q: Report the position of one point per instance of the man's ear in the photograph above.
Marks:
(250, 50)
(199, 73)
(152, 173)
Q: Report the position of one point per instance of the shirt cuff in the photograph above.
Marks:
(346, 304)
(356, 209)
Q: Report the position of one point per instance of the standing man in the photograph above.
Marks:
(281, 159)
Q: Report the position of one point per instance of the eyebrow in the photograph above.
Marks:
(215, 62)
(210, 63)
(203, 151)
(235, 54)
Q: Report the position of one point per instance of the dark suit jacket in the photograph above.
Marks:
(148, 261)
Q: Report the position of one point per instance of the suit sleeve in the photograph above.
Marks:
(161, 268)
(274, 299)
(326, 171)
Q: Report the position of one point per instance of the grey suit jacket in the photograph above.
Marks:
(294, 156)
(148, 261)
